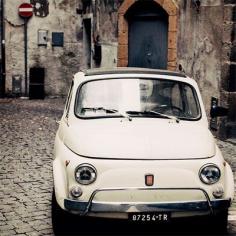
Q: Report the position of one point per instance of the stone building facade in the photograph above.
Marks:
(64, 36)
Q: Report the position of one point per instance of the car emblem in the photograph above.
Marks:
(149, 179)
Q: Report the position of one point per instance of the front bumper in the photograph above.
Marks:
(83, 208)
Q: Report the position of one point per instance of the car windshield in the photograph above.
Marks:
(137, 97)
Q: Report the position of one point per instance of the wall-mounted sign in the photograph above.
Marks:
(25, 10)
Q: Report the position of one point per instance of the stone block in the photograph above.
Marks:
(160, 2)
(232, 106)
(233, 54)
(172, 54)
(233, 34)
(231, 129)
(122, 63)
(125, 6)
(172, 64)
(122, 51)
(123, 39)
(170, 7)
(171, 68)
(172, 39)
(234, 14)
(226, 52)
(228, 13)
(227, 32)
(232, 78)
(225, 76)
(229, 1)
(172, 23)
(224, 99)
(122, 24)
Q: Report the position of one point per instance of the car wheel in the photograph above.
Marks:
(59, 217)
(65, 223)
(220, 221)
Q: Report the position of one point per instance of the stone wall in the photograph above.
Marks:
(228, 83)
(197, 31)
(60, 62)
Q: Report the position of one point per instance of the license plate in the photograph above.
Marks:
(149, 217)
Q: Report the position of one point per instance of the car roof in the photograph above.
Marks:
(133, 70)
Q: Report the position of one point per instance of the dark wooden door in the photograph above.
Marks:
(36, 83)
(148, 42)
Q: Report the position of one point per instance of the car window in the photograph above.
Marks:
(176, 93)
(68, 100)
(112, 97)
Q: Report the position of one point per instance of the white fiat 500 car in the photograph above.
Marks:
(134, 144)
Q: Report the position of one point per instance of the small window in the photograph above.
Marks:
(57, 39)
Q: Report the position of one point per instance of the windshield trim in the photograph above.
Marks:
(136, 116)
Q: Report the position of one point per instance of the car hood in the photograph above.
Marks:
(140, 139)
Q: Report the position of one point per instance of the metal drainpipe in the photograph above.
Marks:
(3, 64)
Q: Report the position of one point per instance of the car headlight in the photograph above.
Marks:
(85, 174)
(209, 174)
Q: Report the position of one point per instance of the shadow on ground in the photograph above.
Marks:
(118, 228)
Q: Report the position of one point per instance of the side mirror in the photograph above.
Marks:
(218, 111)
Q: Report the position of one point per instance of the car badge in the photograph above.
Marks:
(149, 179)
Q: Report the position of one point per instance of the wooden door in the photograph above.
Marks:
(148, 39)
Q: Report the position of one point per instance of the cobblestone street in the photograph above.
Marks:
(27, 129)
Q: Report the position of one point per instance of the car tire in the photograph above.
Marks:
(65, 223)
(59, 217)
(220, 221)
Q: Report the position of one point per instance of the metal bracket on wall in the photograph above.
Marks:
(42, 37)
(213, 121)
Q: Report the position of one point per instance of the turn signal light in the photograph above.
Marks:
(149, 179)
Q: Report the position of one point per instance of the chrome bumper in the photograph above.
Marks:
(83, 208)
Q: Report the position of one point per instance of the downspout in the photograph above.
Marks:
(3, 63)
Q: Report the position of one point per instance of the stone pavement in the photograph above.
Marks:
(27, 131)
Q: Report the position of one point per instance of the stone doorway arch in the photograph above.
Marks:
(123, 31)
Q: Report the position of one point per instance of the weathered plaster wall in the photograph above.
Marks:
(205, 42)
(107, 27)
(200, 44)
(60, 62)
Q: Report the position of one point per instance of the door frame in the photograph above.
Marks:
(123, 32)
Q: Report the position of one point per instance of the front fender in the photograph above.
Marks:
(59, 173)
(229, 182)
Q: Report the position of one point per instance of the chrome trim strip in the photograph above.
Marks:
(133, 70)
(90, 206)
(81, 207)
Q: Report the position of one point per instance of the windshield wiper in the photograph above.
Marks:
(123, 114)
(164, 115)
(100, 109)
(155, 113)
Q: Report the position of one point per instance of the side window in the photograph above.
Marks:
(68, 101)
(176, 97)
(192, 104)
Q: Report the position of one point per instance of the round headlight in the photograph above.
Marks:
(209, 174)
(85, 174)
